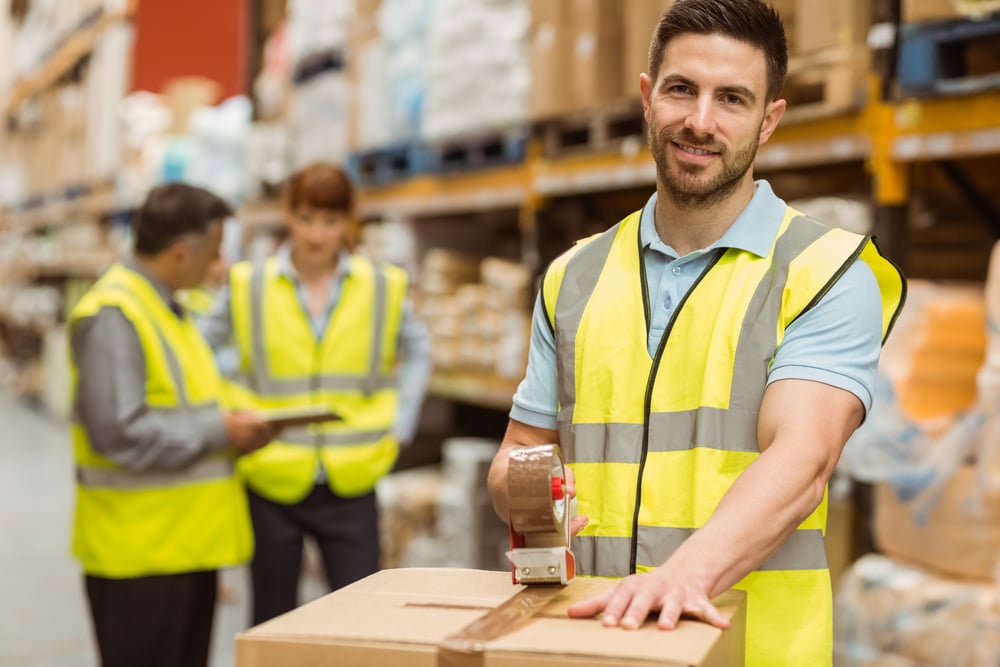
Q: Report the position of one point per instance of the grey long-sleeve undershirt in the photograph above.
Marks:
(111, 402)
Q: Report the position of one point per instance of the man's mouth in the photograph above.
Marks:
(693, 150)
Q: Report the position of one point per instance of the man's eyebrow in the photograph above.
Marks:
(673, 79)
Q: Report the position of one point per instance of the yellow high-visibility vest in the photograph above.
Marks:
(350, 370)
(131, 524)
(655, 443)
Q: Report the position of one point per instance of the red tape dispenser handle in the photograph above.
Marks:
(540, 514)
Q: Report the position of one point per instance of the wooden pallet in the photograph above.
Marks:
(597, 131)
(386, 165)
(826, 83)
(476, 151)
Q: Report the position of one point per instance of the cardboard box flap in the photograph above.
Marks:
(392, 606)
(689, 644)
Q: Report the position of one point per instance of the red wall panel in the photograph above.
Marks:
(191, 38)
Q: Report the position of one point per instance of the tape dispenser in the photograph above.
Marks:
(540, 515)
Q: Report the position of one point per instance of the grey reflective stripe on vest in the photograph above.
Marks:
(372, 381)
(265, 384)
(570, 304)
(670, 432)
(311, 438)
(803, 550)
(213, 468)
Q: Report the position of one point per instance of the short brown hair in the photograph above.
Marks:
(751, 21)
(320, 185)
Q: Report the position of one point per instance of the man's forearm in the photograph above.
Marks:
(748, 527)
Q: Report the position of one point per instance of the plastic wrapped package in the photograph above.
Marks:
(890, 614)
(924, 422)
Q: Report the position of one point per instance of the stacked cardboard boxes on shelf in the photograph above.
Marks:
(937, 511)
(476, 311)
(443, 516)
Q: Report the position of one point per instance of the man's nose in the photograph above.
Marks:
(701, 117)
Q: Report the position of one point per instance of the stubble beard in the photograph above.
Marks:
(682, 184)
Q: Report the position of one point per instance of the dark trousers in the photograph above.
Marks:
(155, 621)
(345, 530)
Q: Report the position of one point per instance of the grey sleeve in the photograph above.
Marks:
(111, 402)
(413, 373)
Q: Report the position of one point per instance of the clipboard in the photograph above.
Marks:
(299, 416)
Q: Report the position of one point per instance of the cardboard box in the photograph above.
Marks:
(961, 537)
(550, 50)
(639, 19)
(399, 617)
(915, 11)
(824, 24)
(597, 53)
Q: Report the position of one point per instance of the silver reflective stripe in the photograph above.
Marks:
(754, 351)
(602, 556)
(372, 381)
(582, 272)
(609, 556)
(172, 363)
(331, 382)
(803, 550)
(215, 467)
(260, 375)
(307, 438)
(607, 443)
(669, 432)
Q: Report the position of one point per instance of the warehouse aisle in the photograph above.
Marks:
(43, 614)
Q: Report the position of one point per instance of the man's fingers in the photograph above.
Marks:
(577, 524)
(637, 611)
(710, 614)
(621, 597)
(591, 606)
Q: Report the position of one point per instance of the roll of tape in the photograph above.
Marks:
(536, 494)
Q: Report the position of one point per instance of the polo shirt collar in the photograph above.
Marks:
(753, 230)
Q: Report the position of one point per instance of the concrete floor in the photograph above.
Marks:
(43, 612)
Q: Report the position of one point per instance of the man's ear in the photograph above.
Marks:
(646, 91)
(772, 114)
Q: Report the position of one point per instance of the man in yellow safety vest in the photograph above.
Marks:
(703, 362)
(159, 509)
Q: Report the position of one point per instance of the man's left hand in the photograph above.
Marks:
(629, 603)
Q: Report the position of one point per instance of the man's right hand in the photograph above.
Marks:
(247, 431)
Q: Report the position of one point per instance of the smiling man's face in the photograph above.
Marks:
(707, 113)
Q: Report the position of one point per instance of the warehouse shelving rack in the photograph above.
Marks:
(885, 136)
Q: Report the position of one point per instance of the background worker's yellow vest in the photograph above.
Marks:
(157, 522)
(351, 370)
(656, 443)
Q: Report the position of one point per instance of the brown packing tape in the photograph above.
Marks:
(529, 476)
(466, 647)
(542, 522)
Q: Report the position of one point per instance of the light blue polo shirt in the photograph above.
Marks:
(837, 342)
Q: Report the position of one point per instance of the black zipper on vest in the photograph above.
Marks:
(647, 408)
